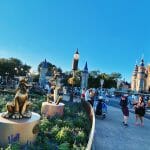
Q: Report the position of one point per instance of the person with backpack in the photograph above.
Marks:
(125, 110)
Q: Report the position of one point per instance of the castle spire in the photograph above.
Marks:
(85, 75)
(44, 64)
(135, 69)
(142, 62)
(86, 67)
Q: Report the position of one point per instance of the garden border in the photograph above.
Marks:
(91, 115)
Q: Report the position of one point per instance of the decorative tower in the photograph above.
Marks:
(134, 78)
(141, 77)
(43, 71)
(148, 78)
(85, 75)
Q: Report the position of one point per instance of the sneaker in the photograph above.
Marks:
(137, 124)
(142, 124)
(125, 124)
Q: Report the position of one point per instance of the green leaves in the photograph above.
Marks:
(64, 146)
(13, 66)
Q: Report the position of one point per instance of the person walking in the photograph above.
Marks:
(125, 110)
(139, 110)
(88, 96)
(83, 94)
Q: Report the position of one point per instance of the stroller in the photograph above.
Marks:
(100, 107)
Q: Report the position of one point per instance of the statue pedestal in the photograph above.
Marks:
(18, 130)
(51, 109)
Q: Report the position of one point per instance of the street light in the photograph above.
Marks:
(75, 62)
(16, 69)
(101, 82)
(6, 76)
(74, 69)
(118, 84)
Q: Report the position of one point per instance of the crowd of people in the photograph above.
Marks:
(137, 103)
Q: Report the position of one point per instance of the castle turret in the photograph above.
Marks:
(85, 75)
(134, 78)
(148, 78)
(141, 77)
(43, 71)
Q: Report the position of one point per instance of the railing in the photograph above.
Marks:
(91, 115)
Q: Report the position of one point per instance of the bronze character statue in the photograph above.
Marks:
(19, 107)
(50, 96)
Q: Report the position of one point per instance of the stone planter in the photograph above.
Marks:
(51, 109)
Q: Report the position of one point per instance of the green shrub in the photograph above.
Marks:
(54, 130)
(78, 122)
(13, 146)
(64, 135)
(78, 147)
(64, 146)
(80, 138)
(44, 125)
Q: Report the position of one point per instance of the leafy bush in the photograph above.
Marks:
(44, 125)
(54, 130)
(64, 146)
(64, 135)
(81, 137)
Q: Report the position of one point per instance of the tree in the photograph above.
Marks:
(8, 66)
(115, 75)
(110, 80)
(94, 73)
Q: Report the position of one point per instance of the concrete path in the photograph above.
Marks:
(110, 134)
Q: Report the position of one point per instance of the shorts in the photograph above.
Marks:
(125, 111)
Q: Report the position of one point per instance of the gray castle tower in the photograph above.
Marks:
(134, 78)
(43, 71)
(141, 77)
(85, 75)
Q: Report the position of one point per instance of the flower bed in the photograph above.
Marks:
(70, 131)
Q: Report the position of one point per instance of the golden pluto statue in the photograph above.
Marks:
(19, 107)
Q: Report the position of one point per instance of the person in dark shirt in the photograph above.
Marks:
(125, 110)
(139, 110)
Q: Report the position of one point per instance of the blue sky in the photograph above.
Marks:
(110, 35)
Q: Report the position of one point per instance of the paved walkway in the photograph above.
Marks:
(110, 134)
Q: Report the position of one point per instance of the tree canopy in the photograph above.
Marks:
(13, 66)
(110, 80)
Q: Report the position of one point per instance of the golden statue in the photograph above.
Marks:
(19, 108)
(50, 96)
(56, 90)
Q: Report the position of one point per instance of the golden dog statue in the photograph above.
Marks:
(19, 108)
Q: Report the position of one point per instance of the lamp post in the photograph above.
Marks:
(16, 69)
(101, 82)
(21, 69)
(74, 69)
(6, 77)
(118, 84)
